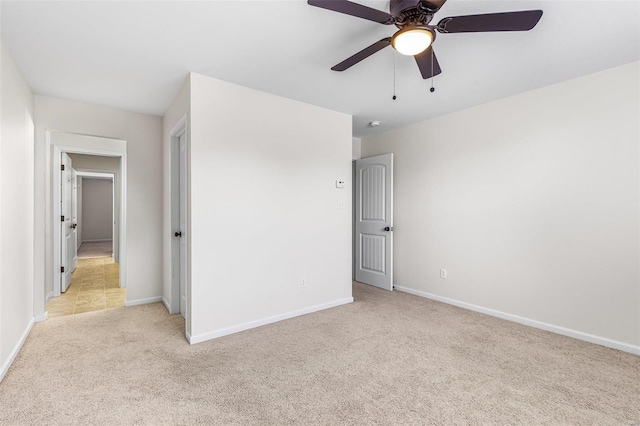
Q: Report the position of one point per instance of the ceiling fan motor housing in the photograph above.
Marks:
(399, 6)
(411, 12)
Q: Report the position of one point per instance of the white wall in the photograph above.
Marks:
(178, 109)
(264, 207)
(356, 148)
(95, 163)
(530, 202)
(97, 208)
(142, 134)
(16, 210)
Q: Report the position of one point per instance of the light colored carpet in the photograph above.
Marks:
(388, 358)
(95, 249)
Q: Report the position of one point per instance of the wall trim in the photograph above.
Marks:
(49, 296)
(96, 241)
(269, 320)
(40, 318)
(143, 301)
(166, 304)
(16, 349)
(603, 341)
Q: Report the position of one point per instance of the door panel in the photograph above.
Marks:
(66, 253)
(374, 221)
(373, 194)
(373, 253)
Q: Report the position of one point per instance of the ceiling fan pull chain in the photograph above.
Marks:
(394, 76)
(433, 89)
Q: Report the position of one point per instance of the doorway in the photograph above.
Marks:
(373, 221)
(88, 205)
(96, 205)
(179, 222)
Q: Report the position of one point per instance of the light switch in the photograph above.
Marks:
(342, 205)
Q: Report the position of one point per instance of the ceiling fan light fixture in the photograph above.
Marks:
(411, 41)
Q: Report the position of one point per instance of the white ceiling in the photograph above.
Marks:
(136, 55)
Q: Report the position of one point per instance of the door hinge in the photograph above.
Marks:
(61, 218)
(62, 269)
(62, 167)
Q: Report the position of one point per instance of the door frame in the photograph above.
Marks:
(113, 176)
(357, 241)
(55, 195)
(180, 129)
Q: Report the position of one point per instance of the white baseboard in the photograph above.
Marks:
(166, 304)
(49, 296)
(14, 353)
(143, 301)
(40, 318)
(626, 347)
(269, 320)
(96, 241)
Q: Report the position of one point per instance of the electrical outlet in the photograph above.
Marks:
(342, 205)
(443, 274)
(303, 282)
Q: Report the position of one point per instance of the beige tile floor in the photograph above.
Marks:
(94, 286)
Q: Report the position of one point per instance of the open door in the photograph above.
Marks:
(374, 221)
(68, 242)
(179, 302)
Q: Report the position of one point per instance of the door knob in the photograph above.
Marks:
(178, 234)
(74, 225)
(386, 228)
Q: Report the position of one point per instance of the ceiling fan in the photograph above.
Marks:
(415, 33)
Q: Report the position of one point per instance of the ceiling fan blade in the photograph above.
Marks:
(507, 21)
(363, 54)
(354, 9)
(424, 61)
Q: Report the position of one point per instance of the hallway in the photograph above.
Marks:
(90, 249)
(94, 286)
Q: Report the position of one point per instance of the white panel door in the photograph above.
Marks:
(183, 224)
(374, 221)
(66, 222)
